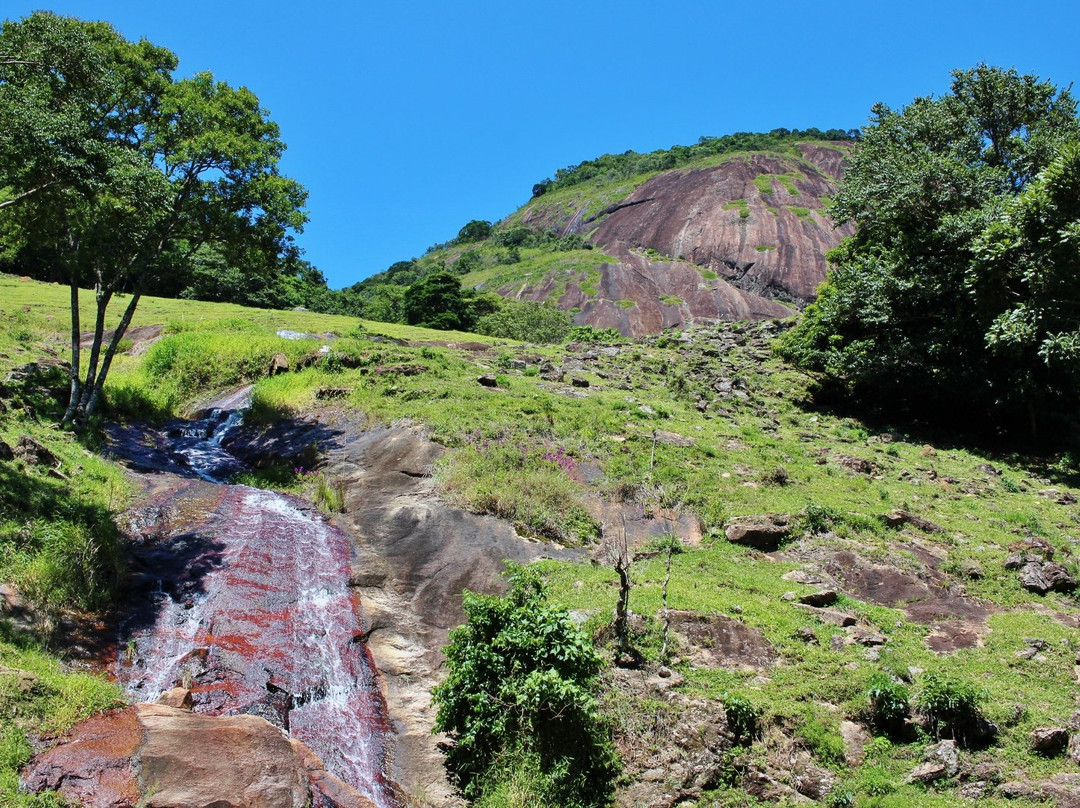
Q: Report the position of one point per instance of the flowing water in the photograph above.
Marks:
(253, 612)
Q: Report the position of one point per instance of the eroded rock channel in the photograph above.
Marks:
(261, 608)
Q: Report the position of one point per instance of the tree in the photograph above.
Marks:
(525, 321)
(436, 302)
(907, 315)
(476, 230)
(121, 174)
(521, 690)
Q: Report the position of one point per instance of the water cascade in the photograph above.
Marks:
(258, 617)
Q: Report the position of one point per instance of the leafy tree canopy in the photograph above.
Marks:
(521, 686)
(958, 292)
(115, 174)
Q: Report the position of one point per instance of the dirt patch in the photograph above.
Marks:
(949, 637)
(141, 336)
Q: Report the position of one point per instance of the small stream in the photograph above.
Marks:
(248, 605)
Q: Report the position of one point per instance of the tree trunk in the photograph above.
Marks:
(102, 297)
(118, 334)
(76, 332)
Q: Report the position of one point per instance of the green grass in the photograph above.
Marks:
(536, 266)
(672, 300)
(765, 247)
(740, 205)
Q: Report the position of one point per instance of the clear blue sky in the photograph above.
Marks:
(407, 119)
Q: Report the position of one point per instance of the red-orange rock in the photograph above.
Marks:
(756, 221)
(160, 756)
(94, 767)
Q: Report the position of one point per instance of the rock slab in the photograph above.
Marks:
(155, 755)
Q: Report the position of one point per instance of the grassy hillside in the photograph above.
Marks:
(686, 434)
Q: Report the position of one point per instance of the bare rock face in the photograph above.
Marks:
(720, 641)
(158, 756)
(733, 241)
(764, 532)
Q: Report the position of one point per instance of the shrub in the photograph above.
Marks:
(950, 707)
(889, 702)
(742, 716)
(521, 686)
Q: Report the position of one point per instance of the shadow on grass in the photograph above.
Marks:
(1052, 453)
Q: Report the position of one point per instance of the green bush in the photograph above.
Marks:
(742, 716)
(949, 706)
(522, 685)
(889, 702)
(527, 322)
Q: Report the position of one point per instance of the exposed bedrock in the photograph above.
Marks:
(730, 242)
(414, 555)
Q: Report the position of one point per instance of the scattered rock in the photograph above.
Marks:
(824, 597)
(1046, 577)
(1049, 741)
(856, 464)
(721, 641)
(1015, 790)
(971, 569)
(1060, 497)
(939, 761)
(807, 635)
(928, 772)
(488, 380)
(178, 697)
(673, 438)
(899, 518)
(1074, 748)
(870, 638)
(833, 617)
(855, 740)
(5, 451)
(765, 532)
(278, 364)
(19, 680)
(577, 381)
(33, 453)
(331, 393)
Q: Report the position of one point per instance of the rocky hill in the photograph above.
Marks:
(740, 238)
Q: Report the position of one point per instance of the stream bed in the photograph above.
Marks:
(243, 597)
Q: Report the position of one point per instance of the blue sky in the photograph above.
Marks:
(407, 119)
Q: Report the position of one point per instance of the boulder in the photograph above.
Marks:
(899, 518)
(178, 697)
(578, 381)
(34, 454)
(278, 364)
(765, 532)
(1043, 577)
(488, 380)
(156, 755)
(5, 451)
(939, 761)
(824, 597)
(1049, 741)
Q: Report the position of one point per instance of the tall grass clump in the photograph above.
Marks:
(183, 366)
(527, 484)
